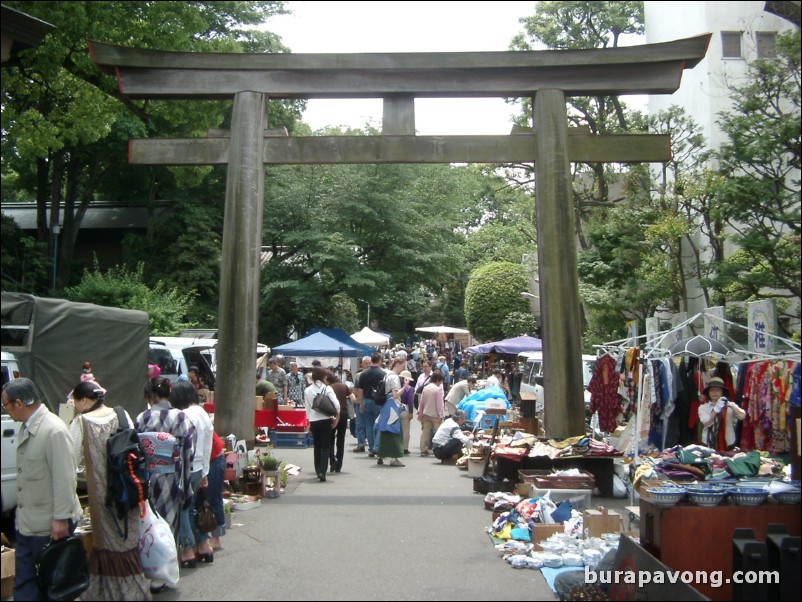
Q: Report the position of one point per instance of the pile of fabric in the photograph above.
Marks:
(705, 464)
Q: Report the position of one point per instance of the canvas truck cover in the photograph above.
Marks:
(52, 338)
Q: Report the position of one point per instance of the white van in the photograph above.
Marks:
(10, 440)
(531, 365)
(168, 353)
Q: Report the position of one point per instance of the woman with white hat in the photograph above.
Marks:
(718, 416)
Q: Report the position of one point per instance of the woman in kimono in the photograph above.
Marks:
(168, 436)
(115, 570)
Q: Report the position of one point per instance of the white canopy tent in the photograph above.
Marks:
(368, 337)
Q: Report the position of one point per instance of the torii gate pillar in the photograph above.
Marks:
(239, 267)
(557, 266)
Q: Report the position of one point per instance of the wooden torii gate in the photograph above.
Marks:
(545, 76)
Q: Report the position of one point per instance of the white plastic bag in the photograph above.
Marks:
(157, 549)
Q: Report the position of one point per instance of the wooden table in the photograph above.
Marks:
(690, 537)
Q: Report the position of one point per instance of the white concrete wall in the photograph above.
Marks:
(704, 90)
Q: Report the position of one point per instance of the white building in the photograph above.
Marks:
(742, 31)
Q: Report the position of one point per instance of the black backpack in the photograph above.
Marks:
(126, 471)
(379, 394)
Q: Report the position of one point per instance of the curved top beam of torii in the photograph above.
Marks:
(645, 69)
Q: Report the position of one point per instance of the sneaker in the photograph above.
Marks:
(358, 449)
(371, 454)
(396, 462)
(407, 452)
(380, 461)
(424, 454)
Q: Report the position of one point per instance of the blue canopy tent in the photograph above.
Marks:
(512, 346)
(322, 344)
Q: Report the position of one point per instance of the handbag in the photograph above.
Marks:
(323, 404)
(157, 550)
(62, 569)
(205, 520)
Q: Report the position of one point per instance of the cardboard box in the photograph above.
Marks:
(7, 572)
(541, 532)
(284, 407)
(596, 522)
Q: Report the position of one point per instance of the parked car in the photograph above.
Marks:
(531, 366)
(10, 440)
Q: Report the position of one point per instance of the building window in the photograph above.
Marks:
(731, 44)
(766, 42)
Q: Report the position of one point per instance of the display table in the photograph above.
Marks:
(689, 537)
(601, 467)
(295, 419)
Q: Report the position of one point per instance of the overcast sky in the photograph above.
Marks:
(334, 27)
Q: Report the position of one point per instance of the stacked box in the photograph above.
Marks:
(289, 439)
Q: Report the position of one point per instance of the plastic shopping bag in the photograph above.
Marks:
(157, 549)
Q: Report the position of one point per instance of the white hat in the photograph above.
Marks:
(405, 374)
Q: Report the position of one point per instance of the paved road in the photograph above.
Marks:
(369, 533)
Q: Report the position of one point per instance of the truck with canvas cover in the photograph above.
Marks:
(52, 338)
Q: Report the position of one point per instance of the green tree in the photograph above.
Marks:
(168, 309)
(519, 323)
(385, 234)
(760, 184)
(493, 292)
(65, 124)
(585, 25)
(25, 265)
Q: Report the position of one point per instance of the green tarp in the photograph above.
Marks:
(51, 338)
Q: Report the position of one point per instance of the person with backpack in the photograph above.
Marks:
(371, 383)
(391, 443)
(170, 485)
(118, 576)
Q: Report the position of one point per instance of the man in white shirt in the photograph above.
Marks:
(449, 438)
(494, 380)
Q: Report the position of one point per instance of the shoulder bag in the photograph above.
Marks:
(323, 404)
(62, 569)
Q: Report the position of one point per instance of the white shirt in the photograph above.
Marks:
(706, 415)
(309, 396)
(444, 433)
(203, 444)
(492, 381)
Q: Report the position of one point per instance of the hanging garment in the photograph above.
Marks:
(604, 397)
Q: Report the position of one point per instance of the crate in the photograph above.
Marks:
(579, 498)
(290, 439)
(545, 479)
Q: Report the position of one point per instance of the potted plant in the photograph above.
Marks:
(270, 470)
(270, 465)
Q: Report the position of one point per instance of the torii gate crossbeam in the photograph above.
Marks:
(546, 76)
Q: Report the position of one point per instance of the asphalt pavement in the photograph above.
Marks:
(368, 533)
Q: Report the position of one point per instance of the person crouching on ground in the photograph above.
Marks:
(449, 438)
